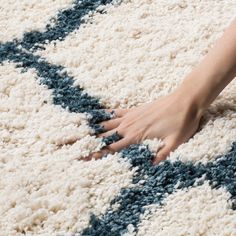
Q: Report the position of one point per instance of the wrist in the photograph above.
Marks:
(203, 85)
(193, 96)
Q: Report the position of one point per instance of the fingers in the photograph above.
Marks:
(117, 146)
(111, 124)
(108, 133)
(118, 112)
(112, 148)
(95, 155)
(164, 152)
(115, 121)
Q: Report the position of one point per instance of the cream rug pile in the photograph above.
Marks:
(61, 63)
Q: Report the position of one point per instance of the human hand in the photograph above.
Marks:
(173, 119)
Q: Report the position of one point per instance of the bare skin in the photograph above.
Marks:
(175, 118)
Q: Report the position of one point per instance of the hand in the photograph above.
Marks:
(173, 119)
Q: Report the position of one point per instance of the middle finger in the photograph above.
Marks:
(111, 124)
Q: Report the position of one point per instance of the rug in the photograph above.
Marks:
(62, 62)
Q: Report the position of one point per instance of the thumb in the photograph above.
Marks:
(163, 152)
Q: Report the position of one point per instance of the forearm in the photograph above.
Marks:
(214, 72)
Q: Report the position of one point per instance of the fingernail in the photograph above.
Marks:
(156, 161)
(113, 114)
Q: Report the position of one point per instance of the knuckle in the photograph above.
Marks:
(161, 155)
(122, 131)
(137, 136)
(108, 149)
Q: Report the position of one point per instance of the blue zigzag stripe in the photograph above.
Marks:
(158, 182)
(74, 99)
(67, 21)
(162, 180)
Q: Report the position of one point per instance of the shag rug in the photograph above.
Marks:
(62, 63)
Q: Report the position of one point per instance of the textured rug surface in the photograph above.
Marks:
(61, 63)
